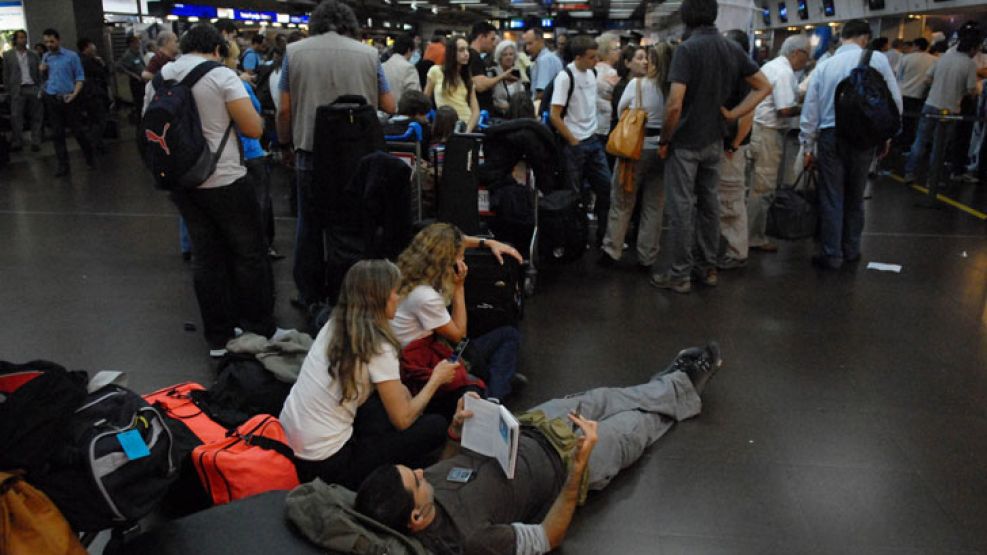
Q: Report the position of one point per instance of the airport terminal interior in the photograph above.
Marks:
(849, 416)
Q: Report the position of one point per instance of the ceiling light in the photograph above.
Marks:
(581, 14)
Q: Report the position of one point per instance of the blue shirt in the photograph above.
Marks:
(819, 110)
(284, 84)
(547, 66)
(251, 59)
(64, 70)
(251, 147)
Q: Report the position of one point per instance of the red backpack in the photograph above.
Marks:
(252, 460)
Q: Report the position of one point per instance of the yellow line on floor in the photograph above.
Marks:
(943, 198)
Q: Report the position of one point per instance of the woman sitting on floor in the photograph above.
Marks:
(433, 273)
(349, 412)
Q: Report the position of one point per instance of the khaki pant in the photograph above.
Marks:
(767, 147)
(733, 205)
(647, 180)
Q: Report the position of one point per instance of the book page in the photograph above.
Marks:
(489, 433)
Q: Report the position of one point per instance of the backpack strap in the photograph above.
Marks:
(272, 445)
(865, 57)
(198, 72)
(572, 88)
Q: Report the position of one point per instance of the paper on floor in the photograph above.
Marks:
(881, 266)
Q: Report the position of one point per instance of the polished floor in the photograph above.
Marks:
(849, 417)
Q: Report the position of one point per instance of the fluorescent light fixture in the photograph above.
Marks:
(581, 14)
(465, 1)
(193, 19)
(170, 17)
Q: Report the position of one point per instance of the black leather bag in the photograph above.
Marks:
(794, 213)
(493, 292)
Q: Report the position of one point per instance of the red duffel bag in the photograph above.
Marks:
(177, 402)
(252, 460)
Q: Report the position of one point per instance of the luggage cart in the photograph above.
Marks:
(468, 207)
(408, 148)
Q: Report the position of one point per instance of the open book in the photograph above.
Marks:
(492, 431)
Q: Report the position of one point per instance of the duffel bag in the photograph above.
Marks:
(254, 459)
(793, 213)
(243, 389)
(116, 464)
(30, 524)
(37, 400)
(178, 402)
(563, 228)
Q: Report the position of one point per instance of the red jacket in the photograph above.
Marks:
(420, 357)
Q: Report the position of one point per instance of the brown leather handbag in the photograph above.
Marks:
(627, 137)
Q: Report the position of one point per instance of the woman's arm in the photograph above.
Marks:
(429, 86)
(496, 247)
(403, 409)
(474, 111)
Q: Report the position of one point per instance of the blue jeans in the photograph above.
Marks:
(309, 268)
(842, 178)
(692, 208)
(495, 354)
(234, 284)
(184, 241)
(924, 134)
(587, 162)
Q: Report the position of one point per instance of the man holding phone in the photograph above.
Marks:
(466, 504)
(483, 38)
(65, 77)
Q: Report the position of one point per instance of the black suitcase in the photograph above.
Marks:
(563, 229)
(794, 212)
(494, 296)
(457, 194)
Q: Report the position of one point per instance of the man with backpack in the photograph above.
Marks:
(574, 116)
(842, 165)
(233, 278)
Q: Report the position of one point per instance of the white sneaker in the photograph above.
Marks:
(217, 353)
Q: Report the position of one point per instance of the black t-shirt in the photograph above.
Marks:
(480, 66)
(709, 66)
(489, 498)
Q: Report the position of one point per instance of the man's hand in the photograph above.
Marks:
(69, 98)
(573, 141)
(586, 443)
(728, 114)
(499, 249)
(810, 160)
(462, 414)
(247, 77)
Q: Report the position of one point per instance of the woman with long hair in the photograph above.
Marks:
(644, 176)
(452, 85)
(633, 63)
(349, 412)
(433, 273)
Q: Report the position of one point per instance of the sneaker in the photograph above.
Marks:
(217, 353)
(965, 178)
(699, 363)
(664, 281)
(731, 264)
(709, 277)
(273, 254)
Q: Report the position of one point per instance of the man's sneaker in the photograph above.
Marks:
(731, 263)
(684, 358)
(699, 363)
(217, 353)
(966, 178)
(664, 281)
(708, 277)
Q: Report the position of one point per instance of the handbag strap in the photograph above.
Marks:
(640, 101)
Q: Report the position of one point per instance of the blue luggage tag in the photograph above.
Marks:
(133, 445)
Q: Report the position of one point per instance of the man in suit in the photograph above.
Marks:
(400, 74)
(23, 80)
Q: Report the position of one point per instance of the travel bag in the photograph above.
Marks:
(866, 113)
(243, 389)
(252, 460)
(457, 194)
(563, 228)
(793, 213)
(30, 524)
(179, 403)
(117, 462)
(494, 296)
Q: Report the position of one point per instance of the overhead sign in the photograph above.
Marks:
(303, 19)
(11, 15)
(194, 10)
(246, 15)
(120, 6)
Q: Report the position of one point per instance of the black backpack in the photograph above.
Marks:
(243, 388)
(116, 463)
(866, 114)
(170, 134)
(563, 229)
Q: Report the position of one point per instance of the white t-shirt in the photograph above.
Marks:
(580, 117)
(422, 311)
(784, 94)
(317, 421)
(211, 93)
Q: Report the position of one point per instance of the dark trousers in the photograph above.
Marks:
(909, 120)
(376, 442)
(692, 208)
(587, 162)
(63, 117)
(260, 174)
(842, 178)
(959, 149)
(234, 284)
(137, 93)
(97, 112)
(309, 268)
(493, 357)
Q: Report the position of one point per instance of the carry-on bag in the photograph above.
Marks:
(117, 463)
(793, 213)
(252, 460)
(494, 297)
(243, 389)
(457, 194)
(178, 402)
(563, 228)
(30, 524)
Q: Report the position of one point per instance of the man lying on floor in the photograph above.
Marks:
(490, 513)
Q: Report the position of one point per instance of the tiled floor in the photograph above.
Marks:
(849, 417)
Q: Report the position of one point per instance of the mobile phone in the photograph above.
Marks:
(459, 474)
(458, 353)
(516, 73)
(578, 412)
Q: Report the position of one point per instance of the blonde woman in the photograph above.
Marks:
(433, 272)
(338, 429)
(647, 171)
(452, 85)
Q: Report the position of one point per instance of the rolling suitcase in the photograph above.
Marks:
(457, 194)
(494, 296)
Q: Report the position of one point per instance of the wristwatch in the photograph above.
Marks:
(483, 243)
